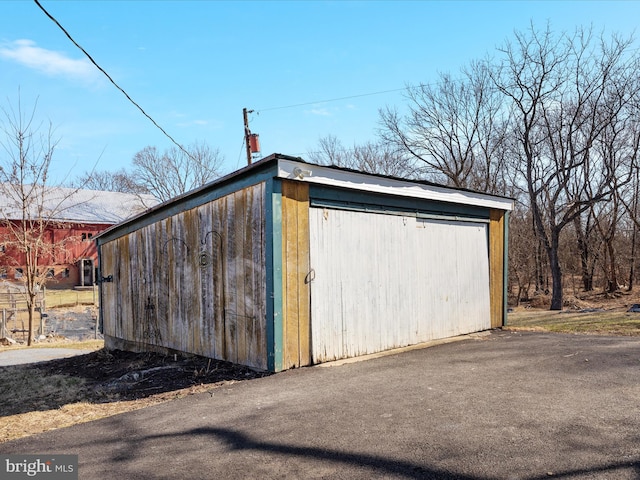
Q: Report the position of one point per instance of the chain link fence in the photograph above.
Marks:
(14, 319)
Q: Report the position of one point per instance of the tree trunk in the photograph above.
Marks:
(634, 233)
(540, 277)
(632, 260)
(583, 250)
(612, 281)
(556, 272)
(32, 308)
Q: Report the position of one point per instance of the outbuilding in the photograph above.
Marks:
(285, 264)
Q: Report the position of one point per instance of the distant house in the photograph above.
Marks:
(78, 216)
(286, 263)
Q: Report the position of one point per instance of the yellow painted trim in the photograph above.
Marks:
(496, 266)
(295, 260)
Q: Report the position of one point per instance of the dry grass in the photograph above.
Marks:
(54, 298)
(34, 399)
(605, 322)
(69, 298)
(21, 425)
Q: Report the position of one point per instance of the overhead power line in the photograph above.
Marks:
(258, 110)
(111, 79)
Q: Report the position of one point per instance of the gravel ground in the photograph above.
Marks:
(77, 323)
(60, 324)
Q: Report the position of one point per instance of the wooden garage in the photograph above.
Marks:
(286, 263)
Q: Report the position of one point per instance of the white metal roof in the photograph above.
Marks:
(78, 206)
(353, 180)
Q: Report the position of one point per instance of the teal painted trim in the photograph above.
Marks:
(208, 193)
(505, 270)
(100, 292)
(334, 197)
(274, 275)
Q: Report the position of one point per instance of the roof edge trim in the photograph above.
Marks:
(294, 169)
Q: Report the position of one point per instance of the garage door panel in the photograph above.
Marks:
(386, 281)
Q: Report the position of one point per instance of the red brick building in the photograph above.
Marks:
(80, 215)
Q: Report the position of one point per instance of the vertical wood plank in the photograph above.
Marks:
(123, 288)
(163, 296)
(231, 287)
(289, 277)
(242, 268)
(219, 261)
(295, 254)
(303, 262)
(256, 281)
(111, 320)
(496, 266)
(208, 280)
(191, 290)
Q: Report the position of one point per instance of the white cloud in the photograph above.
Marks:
(49, 62)
(320, 111)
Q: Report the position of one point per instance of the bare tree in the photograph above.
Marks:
(382, 158)
(633, 216)
(455, 128)
(330, 151)
(371, 157)
(118, 181)
(523, 268)
(565, 92)
(30, 212)
(588, 244)
(175, 172)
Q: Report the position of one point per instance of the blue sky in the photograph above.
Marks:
(194, 65)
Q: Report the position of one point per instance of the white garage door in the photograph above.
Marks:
(385, 281)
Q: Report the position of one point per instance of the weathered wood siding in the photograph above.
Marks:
(496, 266)
(295, 275)
(386, 281)
(193, 282)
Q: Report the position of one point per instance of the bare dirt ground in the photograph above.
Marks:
(124, 376)
(44, 396)
(38, 397)
(575, 301)
(592, 313)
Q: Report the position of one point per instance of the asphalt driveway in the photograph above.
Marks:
(505, 406)
(34, 355)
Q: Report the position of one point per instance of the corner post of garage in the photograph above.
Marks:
(497, 266)
(505, 270)
(273, 210)
(296, 299)
(100, 325)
